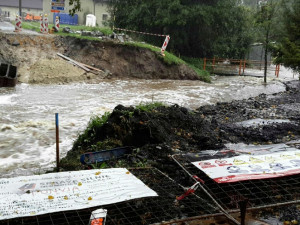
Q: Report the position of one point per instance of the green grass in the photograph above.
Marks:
(169, 58)
(35, 26)
(148, 107)
(87, 137)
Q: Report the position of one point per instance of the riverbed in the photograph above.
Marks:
(27, 115)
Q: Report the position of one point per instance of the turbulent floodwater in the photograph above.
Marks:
(27, 112)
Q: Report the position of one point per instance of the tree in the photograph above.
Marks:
(268, 25)
(288, 49)
(76, 6)
(203, 28)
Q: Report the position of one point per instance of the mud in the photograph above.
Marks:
(37, 60)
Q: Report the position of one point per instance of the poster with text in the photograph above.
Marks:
(55, 192)
(250, 167)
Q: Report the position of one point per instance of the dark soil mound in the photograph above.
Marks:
(156, 133)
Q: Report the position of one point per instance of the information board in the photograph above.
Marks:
(55, 192)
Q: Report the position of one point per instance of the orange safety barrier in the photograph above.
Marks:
(236, 66)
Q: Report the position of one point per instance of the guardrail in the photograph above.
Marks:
(237, 66)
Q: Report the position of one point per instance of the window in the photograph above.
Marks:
(104, 17)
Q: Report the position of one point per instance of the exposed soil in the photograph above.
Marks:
(37, 60)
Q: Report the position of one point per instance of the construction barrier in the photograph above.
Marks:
(46, 29)
(42, 24)
(18, 26)
(56, 24)
(163, 48)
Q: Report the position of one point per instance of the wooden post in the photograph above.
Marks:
(244, 66)
(278, 70)
(243, 208)
(240, 68)
(57, 142)
(204, 64)
(213, 64)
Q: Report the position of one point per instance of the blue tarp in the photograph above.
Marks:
(66, 18)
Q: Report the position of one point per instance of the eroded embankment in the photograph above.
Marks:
(37, 60)
(157, 132)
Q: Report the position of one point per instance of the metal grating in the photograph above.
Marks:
(260, 193)
(139, 211)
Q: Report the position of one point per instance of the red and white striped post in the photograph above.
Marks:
(46, 30)
(163, 48)
(56, 23)
(42, 24)
(18, 26)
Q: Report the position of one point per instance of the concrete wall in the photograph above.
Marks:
(13, 11)
(87, 7)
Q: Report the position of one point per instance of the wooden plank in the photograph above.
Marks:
(92, 68)
(75, 62)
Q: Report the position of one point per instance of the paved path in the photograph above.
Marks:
(7, 27)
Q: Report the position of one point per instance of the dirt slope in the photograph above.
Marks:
(37, 62)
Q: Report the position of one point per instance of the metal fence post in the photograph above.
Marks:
(57, 142)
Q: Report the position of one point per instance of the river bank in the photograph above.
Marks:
(160, 131)
(36, 57)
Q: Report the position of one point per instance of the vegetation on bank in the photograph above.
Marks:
(168, 59)
(96, 136)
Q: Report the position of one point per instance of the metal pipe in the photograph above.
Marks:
(20, 7)
(57, 142)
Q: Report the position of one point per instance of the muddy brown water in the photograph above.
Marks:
(27, 115)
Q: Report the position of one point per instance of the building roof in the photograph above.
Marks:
(31, 4)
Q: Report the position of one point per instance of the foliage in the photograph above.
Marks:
(76, 6)
(88, 136)
(288, 49)
(148, 107)
(267, 23)
(206, 28)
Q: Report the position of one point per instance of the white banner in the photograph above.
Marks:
(249, 167)
(55, 192)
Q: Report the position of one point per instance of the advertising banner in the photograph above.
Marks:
(55, 192)
(249, 166)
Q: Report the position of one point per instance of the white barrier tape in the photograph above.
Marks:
(133, 31)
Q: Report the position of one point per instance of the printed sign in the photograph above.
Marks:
(250, 167)
(55, 192)
(57, 5)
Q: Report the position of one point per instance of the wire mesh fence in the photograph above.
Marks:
(149, 210)
(260, 193)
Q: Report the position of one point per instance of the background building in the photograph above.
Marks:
(95, 7)
(10, 8)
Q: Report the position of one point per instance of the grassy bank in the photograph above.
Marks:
(168, 59)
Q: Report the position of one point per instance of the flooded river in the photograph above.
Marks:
(27, 112)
